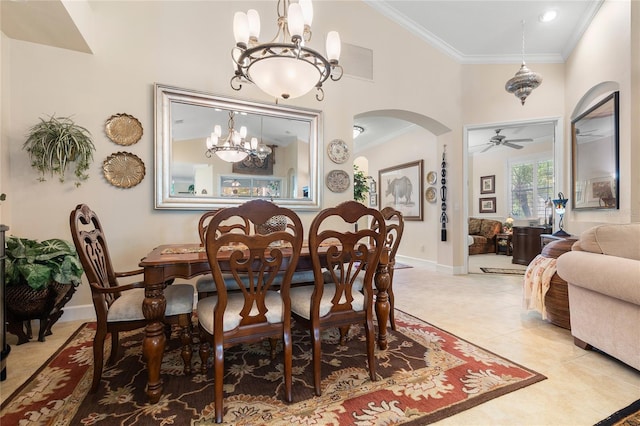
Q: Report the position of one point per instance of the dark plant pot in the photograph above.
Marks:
(24, 304)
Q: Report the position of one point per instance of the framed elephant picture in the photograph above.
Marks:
(401, 188)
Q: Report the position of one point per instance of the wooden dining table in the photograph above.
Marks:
(170, 261)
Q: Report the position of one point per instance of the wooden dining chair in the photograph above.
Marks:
(394, 221)
(119, 307)
(333, 301)
(258, 310)
(205, 286)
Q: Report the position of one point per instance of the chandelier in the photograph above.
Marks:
(283, 67)
(525, 80)
(234, 147)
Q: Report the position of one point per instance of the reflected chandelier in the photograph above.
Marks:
(283, 67)
(234, 147)
(525, 80)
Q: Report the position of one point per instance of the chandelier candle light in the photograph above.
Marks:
(234, 147)
(284, 67)
(525, 80)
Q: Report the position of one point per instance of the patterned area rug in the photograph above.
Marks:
(628, 416)
(503, 271)
(425, 375)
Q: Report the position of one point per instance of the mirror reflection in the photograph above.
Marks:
(595, 156)
(197, 166)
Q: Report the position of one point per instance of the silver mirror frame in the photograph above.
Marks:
(165, 95)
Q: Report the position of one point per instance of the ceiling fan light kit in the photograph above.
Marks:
(525, 80)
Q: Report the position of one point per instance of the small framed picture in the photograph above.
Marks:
(373, 199)
(488, 205)
(488, 184)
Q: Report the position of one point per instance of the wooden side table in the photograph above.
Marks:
(503, 244)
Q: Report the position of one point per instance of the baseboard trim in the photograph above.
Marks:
(79, 312)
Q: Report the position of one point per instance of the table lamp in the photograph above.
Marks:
(560, 205)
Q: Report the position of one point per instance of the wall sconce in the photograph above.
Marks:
(560, 205)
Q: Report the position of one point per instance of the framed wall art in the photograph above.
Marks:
(595, 156)
(488, 184)
(373, 199)
(401, 188)
(488, 205)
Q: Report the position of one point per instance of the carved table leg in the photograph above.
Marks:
(382, 281)
(153, 308)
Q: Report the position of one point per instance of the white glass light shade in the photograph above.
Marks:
(307, 11)
(285, 78)
(254, 143)
(333, 46)
(231, 155)
(217, 130)
(254, 23)
(243, 132)
(241, 27)
(295, 21)
(209, 143)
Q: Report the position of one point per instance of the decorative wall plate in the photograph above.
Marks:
(432, 178)
(338, 180)
(123, 129)
(431, 194)
(123, 169)
(338, 151)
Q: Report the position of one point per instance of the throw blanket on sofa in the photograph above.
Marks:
(537, 280)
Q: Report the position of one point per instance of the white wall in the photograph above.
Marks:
(187, 44)
(137, 44)
(420, 237)
(603, 55)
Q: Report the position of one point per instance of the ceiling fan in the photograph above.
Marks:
(499, 139)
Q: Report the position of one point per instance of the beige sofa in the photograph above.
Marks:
(603, 274)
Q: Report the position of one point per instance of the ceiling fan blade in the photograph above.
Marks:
(510, 145)
(519, 140)
(487, 148)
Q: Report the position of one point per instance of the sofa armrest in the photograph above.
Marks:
(616, 277)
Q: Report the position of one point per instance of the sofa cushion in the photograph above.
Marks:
(474, 226)
(490, 228)
(613, 240)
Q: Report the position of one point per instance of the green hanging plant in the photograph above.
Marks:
(53, 144)
(360, 186)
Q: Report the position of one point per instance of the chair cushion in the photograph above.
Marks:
(301, 300)
(235, 303)
(128, 306)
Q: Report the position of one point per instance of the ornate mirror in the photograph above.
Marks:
(187, 178)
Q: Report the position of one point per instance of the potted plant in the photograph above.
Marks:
(360, 186)
(40, 277)
(54, 143)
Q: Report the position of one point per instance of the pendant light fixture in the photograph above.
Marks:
(525, 80)
(284, 67)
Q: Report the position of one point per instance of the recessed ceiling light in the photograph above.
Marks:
(548, 16)
(357, 130)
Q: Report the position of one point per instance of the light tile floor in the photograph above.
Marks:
(582, 387)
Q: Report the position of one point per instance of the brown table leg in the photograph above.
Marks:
(382, 281)
(153, 308)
